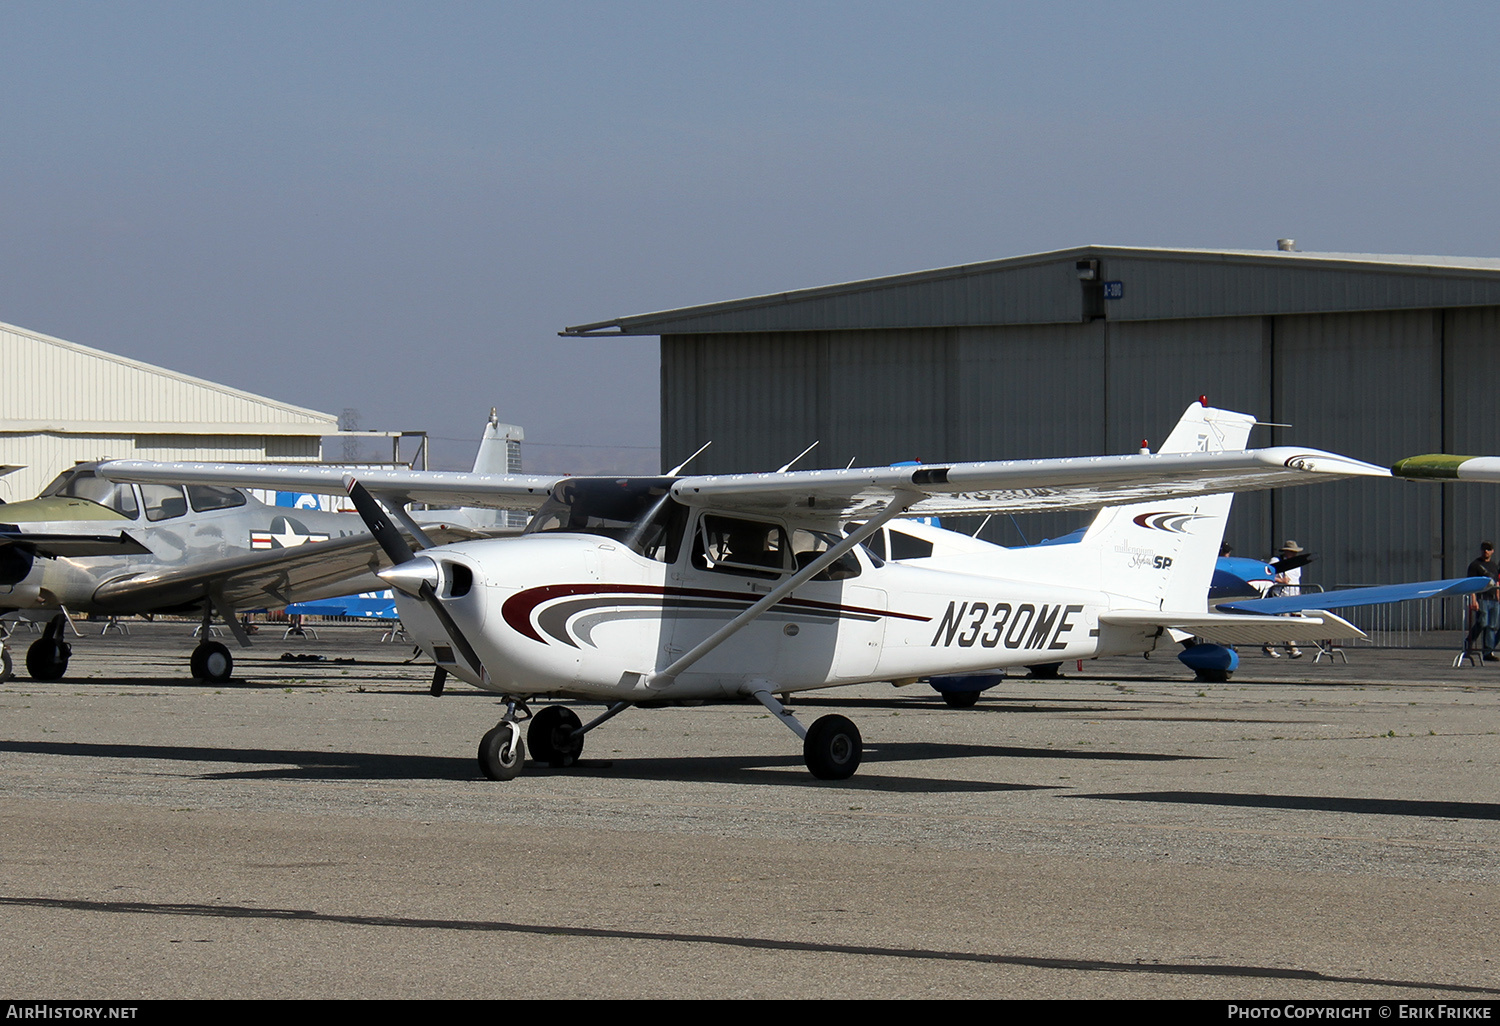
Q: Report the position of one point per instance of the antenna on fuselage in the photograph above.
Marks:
(788, 465)
(678, 469)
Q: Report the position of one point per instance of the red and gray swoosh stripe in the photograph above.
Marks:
(1171, 521)
(561, 603)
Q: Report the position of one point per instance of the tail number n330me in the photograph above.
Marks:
(1024, 626)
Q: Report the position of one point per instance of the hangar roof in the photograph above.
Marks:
(1045, 288)
(58, 386)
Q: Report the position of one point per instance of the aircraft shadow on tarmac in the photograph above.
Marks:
(757, 942)
(311, 765)
(1315, 803)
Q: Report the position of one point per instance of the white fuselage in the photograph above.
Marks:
(585, 616)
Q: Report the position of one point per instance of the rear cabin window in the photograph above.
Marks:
(207, 497)
(809, 545)
(905, 546)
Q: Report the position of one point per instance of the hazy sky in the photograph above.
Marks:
(395, 207)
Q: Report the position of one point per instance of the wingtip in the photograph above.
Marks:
(1431, 467)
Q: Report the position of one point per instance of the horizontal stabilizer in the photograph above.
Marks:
(1360, 596)
(1239, 628)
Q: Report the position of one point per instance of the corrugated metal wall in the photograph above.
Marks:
(1471, 427)
(61, 403)
(48, 379)
(1372, 385)
(1369, 386)
(44, 456)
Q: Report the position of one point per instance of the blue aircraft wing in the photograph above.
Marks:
(1360, 596)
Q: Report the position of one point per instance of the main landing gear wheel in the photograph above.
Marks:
(1045, 671)
(961, 699)
(832, 748)
(211, 662)
(47, 659)
(551, 736)
(6, 667)
(502, 753)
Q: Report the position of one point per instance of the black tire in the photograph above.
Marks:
(1046, 671)
(1213, 676)
(212, 663)
(47, 659)
(502, 753)
(961, 699)
(5, 665)
(833, 748)
(549, 736)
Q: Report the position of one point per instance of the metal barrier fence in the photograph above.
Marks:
(1399, 624)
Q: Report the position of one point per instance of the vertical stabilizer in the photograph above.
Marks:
(499, 453)
(499, 447)
(1160, 555)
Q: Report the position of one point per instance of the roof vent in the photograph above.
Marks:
(1287, 245)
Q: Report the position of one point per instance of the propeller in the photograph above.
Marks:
(1291, 562)
(412, 575)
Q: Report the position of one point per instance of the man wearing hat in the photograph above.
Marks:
(1485, 606)
(1287, 582)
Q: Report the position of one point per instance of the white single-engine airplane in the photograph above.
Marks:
(659, 589)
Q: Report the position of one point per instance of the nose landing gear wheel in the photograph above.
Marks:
(47, 659)
(833, 748)
(551, 736)
(502, 753)
(211, 662)
(961, 699)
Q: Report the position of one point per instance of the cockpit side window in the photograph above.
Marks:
(85, 484)
(749, 548)
(163, 502)
(208, 497)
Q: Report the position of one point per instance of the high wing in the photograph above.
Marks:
(1352, 597)
(456, 488)
(1010, 486)
(315, 570)
(1016, 486)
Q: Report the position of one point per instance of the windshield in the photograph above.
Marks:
(85, 484)
(638, 511)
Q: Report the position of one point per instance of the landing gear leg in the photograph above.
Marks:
(502, 753)
(47, 658)
(831, 747)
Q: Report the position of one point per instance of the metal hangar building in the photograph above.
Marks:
(1089, 350)
(61, 403)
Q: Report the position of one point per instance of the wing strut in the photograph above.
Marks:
(899, 504)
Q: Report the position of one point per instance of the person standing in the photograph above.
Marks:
(1287, 582)
(1485, 605)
